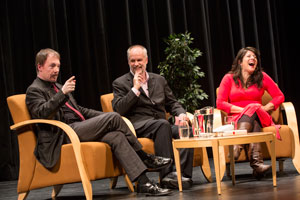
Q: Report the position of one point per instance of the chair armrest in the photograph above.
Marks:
(66, 128)
(291, 118)
(74, 141)
(129, 124)
(218, 117)
(292, 123)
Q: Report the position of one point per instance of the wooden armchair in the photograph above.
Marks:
(288, 147)
(79, 161)
(200, 154)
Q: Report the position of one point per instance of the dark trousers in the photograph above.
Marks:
(162, 132)
(112, 129)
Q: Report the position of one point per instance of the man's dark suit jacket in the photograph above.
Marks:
(141, 109)
(44, 103)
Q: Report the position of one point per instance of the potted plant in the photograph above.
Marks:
(181, 71)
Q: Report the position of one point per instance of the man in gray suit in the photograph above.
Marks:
(144, 98)
(47, 99)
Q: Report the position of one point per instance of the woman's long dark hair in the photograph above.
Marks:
(236, 69)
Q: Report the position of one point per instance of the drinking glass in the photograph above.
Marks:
(229, 120)
(197, 123)
(184, 129)
(208, 119)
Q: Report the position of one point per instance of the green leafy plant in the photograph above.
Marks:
(181, 71)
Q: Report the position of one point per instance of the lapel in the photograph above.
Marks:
(72, 101)
(47, 87)
(151, 84)
(129, 80)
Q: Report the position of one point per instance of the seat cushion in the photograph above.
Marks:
(284, 146)
(98, 160)
(148, 145)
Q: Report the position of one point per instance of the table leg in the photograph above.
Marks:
(273, 159)
(232, 164)
(178, 167)
(215, 147)
(206, 170)
(222, 161)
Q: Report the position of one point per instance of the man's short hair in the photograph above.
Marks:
(42, 55)
(137, 45)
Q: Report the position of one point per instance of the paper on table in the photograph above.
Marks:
(227, 127)
(235, 132)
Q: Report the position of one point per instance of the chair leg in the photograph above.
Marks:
(296, 162)
(56, 190)
(205, 167)
(87, 187)
(292, 123)
(129, 183)
(295, 157)
(280, 161)
(113, 182)
(228, 173)
(23, 195)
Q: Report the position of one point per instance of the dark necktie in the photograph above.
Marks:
(69, 106)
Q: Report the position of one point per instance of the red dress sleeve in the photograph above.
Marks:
(231, 94)
(273, 90)
(223, 93)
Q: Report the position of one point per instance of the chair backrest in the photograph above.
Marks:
(276, 114)
(17, 107)
(107, 105)
(106, 102)
(26, 140)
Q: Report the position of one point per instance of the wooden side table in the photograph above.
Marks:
(217, 144)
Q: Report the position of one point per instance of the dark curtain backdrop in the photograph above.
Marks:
(93, 36)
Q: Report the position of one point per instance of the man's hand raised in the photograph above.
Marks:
(69, 85)
(137, 79)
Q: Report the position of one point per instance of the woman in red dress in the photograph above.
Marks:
(240, 95)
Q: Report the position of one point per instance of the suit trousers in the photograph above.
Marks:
(112, 129)
(162, 132)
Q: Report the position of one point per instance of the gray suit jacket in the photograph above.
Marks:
(141, 109)
(44, 103)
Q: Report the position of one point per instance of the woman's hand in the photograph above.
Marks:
(236, 109)
(268, 107)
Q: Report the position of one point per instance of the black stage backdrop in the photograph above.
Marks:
(93, 36)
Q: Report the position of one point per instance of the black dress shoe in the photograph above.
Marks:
(155, 163)
(152, 189)
(170, 181)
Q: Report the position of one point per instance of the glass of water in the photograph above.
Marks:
(184, 129)
(229, 120)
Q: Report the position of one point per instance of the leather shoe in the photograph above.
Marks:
(260, 172)
(152, 189)
(170, 181)
(155, 163)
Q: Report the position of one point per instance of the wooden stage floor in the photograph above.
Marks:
(288, 187)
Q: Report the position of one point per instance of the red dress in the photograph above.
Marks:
(250, 99)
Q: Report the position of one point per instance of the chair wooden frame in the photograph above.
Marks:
(200, 154)
(286, 108)
(31, 170)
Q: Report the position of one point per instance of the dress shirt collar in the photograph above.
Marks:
(46, 83)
